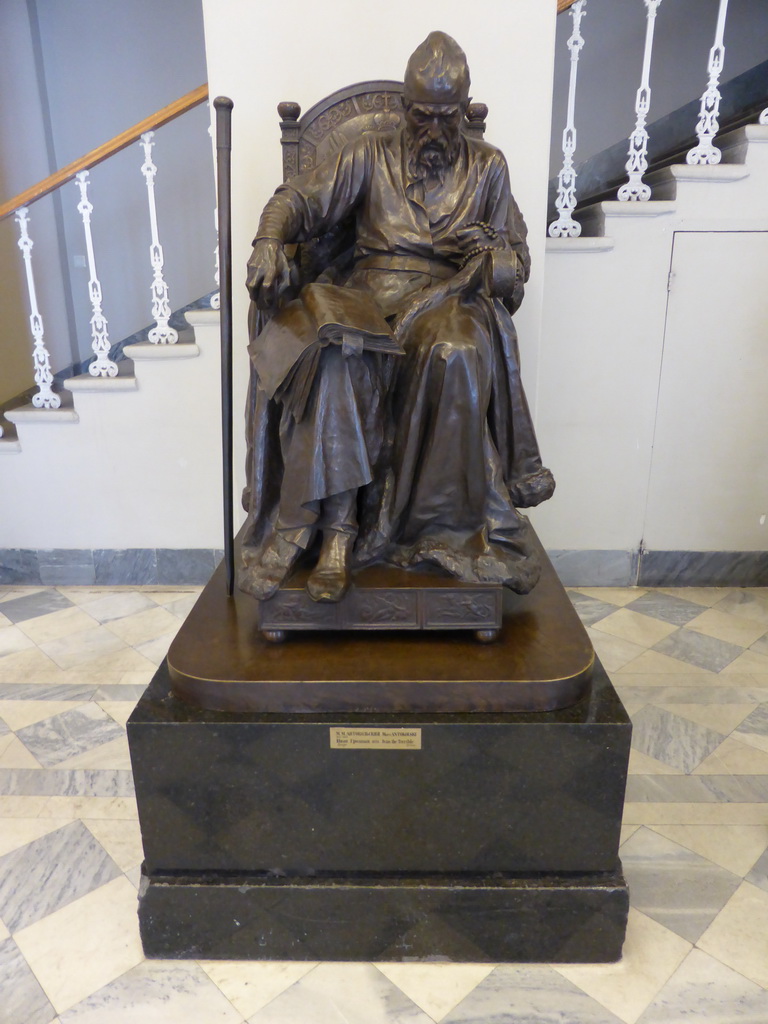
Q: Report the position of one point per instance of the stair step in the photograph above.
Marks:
(31, 414)
(146, 350)
(584, 243)
(9, 444)
(698, 172)
(124, 381)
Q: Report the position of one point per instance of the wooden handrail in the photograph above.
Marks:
(101, 153)
(563, 5)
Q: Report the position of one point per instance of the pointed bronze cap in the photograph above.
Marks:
(437, 72)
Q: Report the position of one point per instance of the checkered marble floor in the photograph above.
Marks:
(691, 666)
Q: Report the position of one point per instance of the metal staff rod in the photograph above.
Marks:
(223, 107)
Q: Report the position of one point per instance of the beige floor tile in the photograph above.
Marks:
(676, 679)
(652, 663)
(749, 661)
(110, 668)
(84, 595)
(706, 596)
(14, 754)
(155, 650)
(733, 847)
(436, 988)
(55, 625)
(18, 713)
(652, 954)
(30, 666)
(167, 595)
(84, 945)
(72, 807)
(739, 934)
(120, 710)
(24, 807)
(18, 832)
(727, 627)
(612, 651)
(13, 640)
(121, 839)
(747, 603)
(626, 832)
(642, 764)
(733, 757)
(721, 718)
(145, 626)
(106, 607)
(250, 986)
(695, 814)
(109, 756)
(78, 650)
(612, 595)
(753, 739)
(140, 678)
(637, 628)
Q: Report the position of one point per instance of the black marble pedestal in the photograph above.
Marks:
(466, 836)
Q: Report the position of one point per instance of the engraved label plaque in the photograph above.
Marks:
(356, 738)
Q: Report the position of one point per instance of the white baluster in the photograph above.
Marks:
(215, 298)
(45, 397)
(162, 333)
(565, 225)
(634, 188)
(102, 366)
(763, 119)
(708, 126)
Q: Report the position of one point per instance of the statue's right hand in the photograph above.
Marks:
(269, 273)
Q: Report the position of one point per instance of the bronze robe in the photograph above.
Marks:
(439, 443)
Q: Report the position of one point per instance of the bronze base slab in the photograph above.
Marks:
(384, 597)
(541, 661)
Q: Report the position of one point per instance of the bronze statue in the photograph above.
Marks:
(386, 412)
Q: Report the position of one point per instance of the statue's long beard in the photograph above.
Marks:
(431, 157)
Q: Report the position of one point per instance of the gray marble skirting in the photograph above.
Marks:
(108, 566)
(172, 567)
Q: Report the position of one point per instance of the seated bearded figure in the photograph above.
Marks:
(422, 455)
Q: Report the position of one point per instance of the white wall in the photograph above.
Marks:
(308, 52)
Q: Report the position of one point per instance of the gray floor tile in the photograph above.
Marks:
(674, 886)
(40, 691)
(72, 732)
(696, 649)
(691, 789)
(23, 1000)
(528, 995)
(589, 609)
(32, 605)
(666, 607)
(704, 991)
(759, 874)
(755, 724)
(158, 991)
(675, 741)
(72, 782)
(51, 872)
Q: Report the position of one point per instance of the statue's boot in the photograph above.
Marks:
(331, 577)
(262, 579)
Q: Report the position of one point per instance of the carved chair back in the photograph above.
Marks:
(327, 126)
